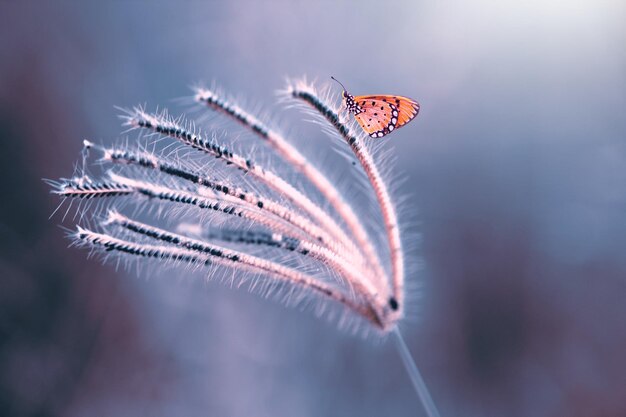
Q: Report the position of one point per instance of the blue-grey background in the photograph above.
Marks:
(517, 175)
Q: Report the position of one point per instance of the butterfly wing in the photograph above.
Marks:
(379, 115)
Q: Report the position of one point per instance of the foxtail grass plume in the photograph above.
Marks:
(264, 215)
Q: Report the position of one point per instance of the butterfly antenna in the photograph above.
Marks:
(344, 88)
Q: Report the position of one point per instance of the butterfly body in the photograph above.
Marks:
(380, 115)
(351, 104)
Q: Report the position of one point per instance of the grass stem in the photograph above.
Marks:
(414, 374)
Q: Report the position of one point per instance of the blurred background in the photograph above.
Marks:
(516, 172)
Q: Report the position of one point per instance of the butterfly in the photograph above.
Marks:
(380, 115)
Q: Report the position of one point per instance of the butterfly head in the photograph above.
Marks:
(351, 105)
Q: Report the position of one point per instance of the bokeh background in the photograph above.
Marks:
(517, 176)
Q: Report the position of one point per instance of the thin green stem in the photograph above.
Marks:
(414, 374)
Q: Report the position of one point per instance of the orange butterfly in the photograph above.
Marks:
(381, 114)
